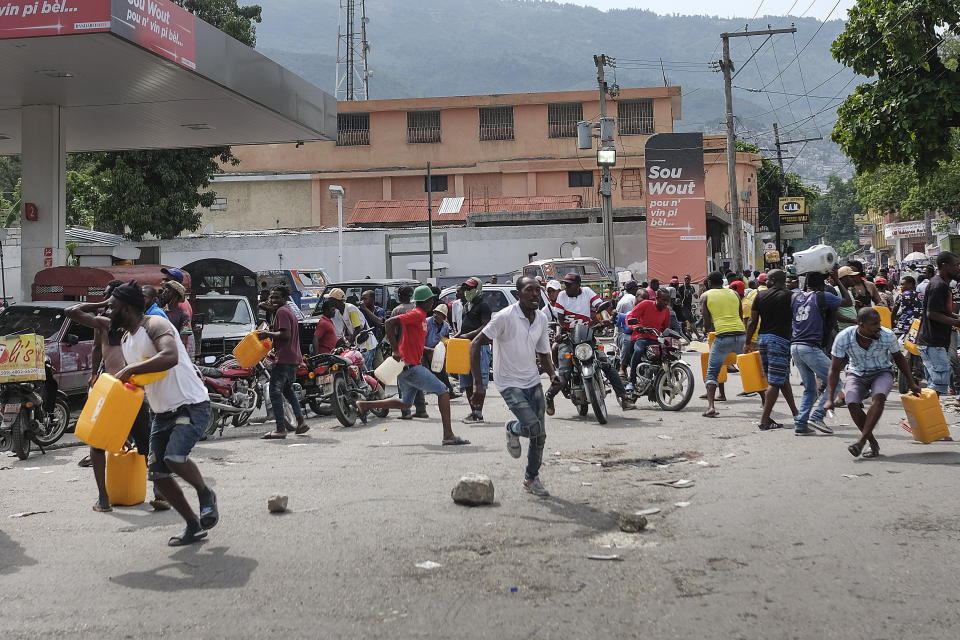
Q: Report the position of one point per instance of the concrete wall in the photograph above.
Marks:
(11, 265)
(469, 250)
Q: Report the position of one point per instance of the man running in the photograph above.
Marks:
(179, 402)
(723, 314)
(285, 334)
(415, 377)
(869, 346)
(519, 337)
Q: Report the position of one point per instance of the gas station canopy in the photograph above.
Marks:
(146, 74)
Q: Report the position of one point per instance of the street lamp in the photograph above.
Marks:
(606, 156)
(571, 242)
(336, 191)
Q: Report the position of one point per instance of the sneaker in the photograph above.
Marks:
(773, 424)
(820, 426)
(806, 431)
(405, 414)
(160, 504)
(536, 487)
(627, 404)
(550, 409)
(473, 418)
(513, 441)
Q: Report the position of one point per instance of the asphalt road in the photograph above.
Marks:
(781, 537)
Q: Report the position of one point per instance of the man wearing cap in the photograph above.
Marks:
(150, 297)
(553, 291)
(176, 275)
(404, 295)
(437, 328)
(476, 315)
(409, 349)
(179, 402)
(285, 334)
(621, 335)
(171, 295)
(575, 305)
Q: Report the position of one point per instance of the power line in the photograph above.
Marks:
(797, 57)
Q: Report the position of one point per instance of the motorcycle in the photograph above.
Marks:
(235, 392)
(340, 379)
(33, 413)
(662, 375)
(585, 387)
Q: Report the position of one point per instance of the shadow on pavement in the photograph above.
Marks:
(926, 457)
(194, 567)
(12, 555)
(581, 514)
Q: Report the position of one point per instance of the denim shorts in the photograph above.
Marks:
(417, 377)
(723, 345)
(173, 435)
(486, 356)
(775, 353)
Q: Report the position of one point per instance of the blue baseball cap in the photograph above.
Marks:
(175, 274)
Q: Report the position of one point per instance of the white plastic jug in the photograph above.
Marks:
(388, 371)
(819, 258)
(439, 357)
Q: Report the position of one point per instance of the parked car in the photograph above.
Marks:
(592, 273)
(497, 296)
(68, 345)
(306, 285)
(227, 320)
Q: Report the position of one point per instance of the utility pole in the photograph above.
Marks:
(606, 200)
(727, 66)
(430, 217)
(784, 186)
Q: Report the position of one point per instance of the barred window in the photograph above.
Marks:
(219, 204)
(562, 119)
(423, 126)
(496, 123)
(635, 117)
(580, 179)
(436, 183)
(353, 129)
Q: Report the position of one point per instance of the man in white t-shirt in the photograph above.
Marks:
(519, 337)
(625, 305)
(179, 402)
(349, 322)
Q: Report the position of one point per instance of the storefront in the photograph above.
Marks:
(905, 237)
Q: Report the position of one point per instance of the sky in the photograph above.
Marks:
(730, 8)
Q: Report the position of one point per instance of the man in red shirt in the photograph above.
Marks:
(648, 315)
(285, 333)
(325, 335)
(415, 377)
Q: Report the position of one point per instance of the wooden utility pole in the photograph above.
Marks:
(727, 67)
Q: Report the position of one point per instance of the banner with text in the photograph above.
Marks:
(676, 206)
(22, 358)
(159, 26)
(32, 18)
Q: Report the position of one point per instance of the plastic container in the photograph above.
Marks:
(458, 356)
(251, 350)
(704, 360)
(819, 258)
(731, 357)
(143, 379)
(751, 372)
(126, 478)
(886, 319)
(925, 416)
(439, 357)
(388, 371)
(108, 413)
(910, 340)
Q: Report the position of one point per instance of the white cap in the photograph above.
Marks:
(441, 309)
(555, 285)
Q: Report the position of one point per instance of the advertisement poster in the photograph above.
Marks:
(32, 18)
(676, 207)
(21, 358)
(793, 211)
(159, 26)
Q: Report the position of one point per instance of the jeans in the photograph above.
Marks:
(486, 359)
(723, 345)
(625, 346)
(639, 348)
(281, 386)
(937, 365)
(529, 406)
(813, 363)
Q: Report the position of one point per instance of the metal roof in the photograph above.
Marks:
(89, 236)
(408, 211)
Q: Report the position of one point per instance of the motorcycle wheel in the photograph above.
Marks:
(596, 396)
(58, 424)
(316, 406)
(673, 390)
(213, 423)
(380, 395)
(243, 418)
(343, 408)
(19, 439)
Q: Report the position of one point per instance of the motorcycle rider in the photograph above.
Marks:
(651, 315)
(575, 305)
(621, 335)
(325, 335)
(285, 333)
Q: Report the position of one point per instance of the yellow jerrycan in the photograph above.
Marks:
(251, 350)
(731, 357)
(925, 416)
(751, 372)
(108, 413)
(886, 319)
(126, 477)
(704, 360)
(458, 356)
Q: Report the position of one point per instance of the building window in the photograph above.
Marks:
(353, 129)
(496, 123)
(635, 117)
(437, 183)
(562, 119)
(219, 204)
(580, 179)
(423, 126)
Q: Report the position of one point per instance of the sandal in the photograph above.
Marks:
(273, 436)
(188, 536)
(456, 441)
(99, 508)
(871, 453)
(209, 514)
(711, 414)
(855, 449)
(85, 462)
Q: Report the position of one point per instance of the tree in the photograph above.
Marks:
(158, 192)
(832, 216)
(907, 114)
